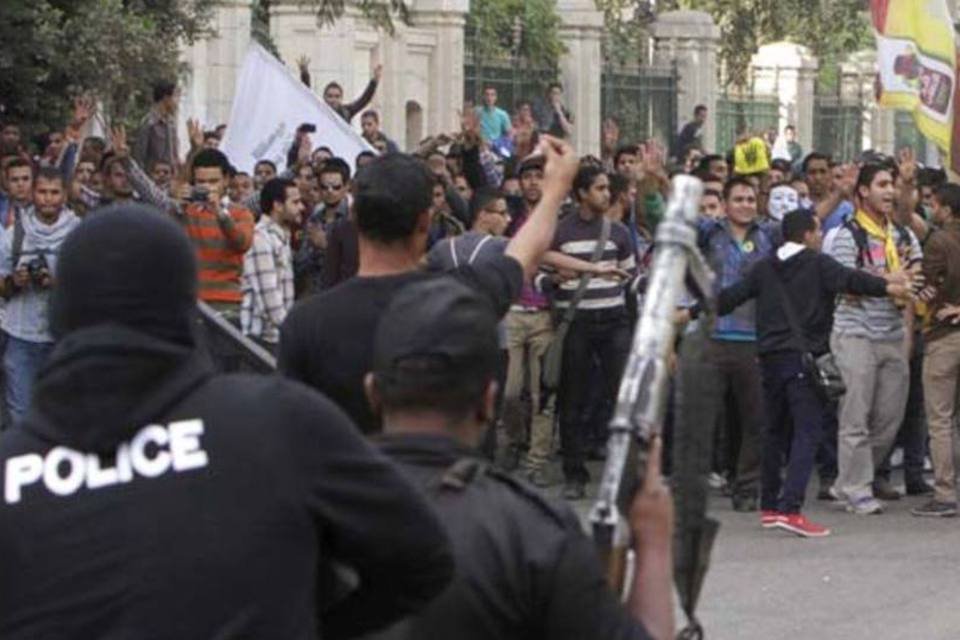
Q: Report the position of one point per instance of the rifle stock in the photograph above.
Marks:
(644, 388)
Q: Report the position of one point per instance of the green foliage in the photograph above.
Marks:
(626, 39)
(380, 13)
(113, 50)
(496, 23)
(260, 27)
(830, 28)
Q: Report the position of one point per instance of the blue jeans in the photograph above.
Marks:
(790, 400)
(22, 360)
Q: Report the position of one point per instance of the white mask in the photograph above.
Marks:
(783, 199)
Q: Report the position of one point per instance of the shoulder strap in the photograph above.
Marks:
(789, 310)
(18, 234)
(459, 475)
(860, 239)
(453, 253)
(476, 250)
(585, 278)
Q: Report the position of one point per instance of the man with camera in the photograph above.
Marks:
(221, 232)
(28, 258)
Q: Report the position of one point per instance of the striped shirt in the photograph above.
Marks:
(578, 238)
(267, 282)
(220, 238)
(877, 319)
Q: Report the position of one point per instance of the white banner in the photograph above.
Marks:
(268, 107)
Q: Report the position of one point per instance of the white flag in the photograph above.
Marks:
(268, 107)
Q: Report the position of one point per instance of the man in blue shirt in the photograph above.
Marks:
(494, 121)
(731, 246)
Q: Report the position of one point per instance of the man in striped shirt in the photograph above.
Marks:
(220, 232)
(600, 327)
(868, 339)
(268, 265)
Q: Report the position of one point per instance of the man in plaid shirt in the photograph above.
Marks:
(268, 265)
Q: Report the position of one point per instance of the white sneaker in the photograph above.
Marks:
(865, 506)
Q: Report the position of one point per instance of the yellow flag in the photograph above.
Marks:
(916, 54)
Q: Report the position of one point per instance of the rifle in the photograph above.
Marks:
(644, 388)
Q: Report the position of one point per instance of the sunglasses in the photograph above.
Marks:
(331, 187)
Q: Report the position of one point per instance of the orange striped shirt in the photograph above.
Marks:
(220, 243)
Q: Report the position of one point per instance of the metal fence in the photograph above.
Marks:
(514, 77)
(744, 112)
(643, 99)
(906, 134)
(838, 118)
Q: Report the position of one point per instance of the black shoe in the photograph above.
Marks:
(597, 452)
(883, 490)
(919, 489)
(825, 495)
(539, 478)
(574, 490)
(744, 503)
(934, 509)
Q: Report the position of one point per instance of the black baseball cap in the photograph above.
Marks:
(436, 327)
(534, 161)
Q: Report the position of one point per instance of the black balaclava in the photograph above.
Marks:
(130, 265)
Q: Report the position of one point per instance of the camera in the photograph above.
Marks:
(199, 195)
(37, 268)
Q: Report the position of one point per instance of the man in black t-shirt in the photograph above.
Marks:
(326, 341)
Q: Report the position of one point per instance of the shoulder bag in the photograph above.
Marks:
(553, 359)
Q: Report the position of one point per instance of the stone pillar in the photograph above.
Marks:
(581, 70)
(445, 20)
(879, 132)
(690, 39)
(214, 64)
(789, 71)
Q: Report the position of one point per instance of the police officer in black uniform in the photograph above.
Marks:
(524, 569)
(146, 497)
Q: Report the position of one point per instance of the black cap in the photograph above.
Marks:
(535, 161)
(442, 325)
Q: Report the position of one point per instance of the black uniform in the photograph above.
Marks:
(326, 341)
(145, 497)
(524, 569)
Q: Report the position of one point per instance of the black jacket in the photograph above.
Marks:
(812, 281)
(211, 522)
(524, 569)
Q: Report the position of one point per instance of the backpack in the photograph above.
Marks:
(863, 246)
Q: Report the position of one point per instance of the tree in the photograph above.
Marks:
(496, 24)
(113, 50)
(830, 28)
(627, 31)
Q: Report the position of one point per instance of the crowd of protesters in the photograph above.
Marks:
(812, 256)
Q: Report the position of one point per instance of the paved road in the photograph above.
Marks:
(882, 577)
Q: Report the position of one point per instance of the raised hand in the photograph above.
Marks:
(561, 162)
(118, 141)
(83, 109)
(907, 163)
(195, 133)
(303, 63)
(378, 73)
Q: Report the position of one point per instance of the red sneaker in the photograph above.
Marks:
(770, 519)
(797, 523)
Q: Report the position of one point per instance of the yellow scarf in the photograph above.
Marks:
(884, 233)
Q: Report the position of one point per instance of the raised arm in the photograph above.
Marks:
(360, 103)
(534, 238)
(140, 181)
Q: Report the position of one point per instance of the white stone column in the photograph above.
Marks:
(445, 19)
(581, 69)
(214, 63)
(789, 71)
(690, 39)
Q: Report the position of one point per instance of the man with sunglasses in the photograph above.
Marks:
(334, 206)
